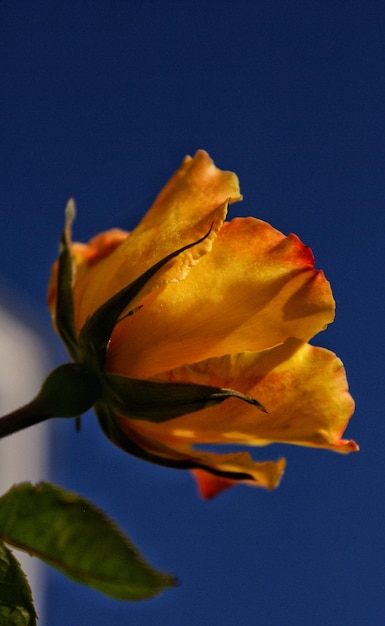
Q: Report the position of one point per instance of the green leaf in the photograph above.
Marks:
(71, 534)
(16, 604)
(97, 330)
(159, 401)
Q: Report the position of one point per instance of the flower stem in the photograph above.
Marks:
(21, 418)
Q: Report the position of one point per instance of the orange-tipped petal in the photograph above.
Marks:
(254, 290)
(210, 485)
(303, 389)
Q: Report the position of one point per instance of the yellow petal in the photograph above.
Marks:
(254, 290)
(303, 388)
(193, 201)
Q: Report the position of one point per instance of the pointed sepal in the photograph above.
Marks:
(64, 313)
(161, 401)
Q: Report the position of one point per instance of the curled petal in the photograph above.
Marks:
(267, 474)
(303, 389)
(219, 469)
(253, 291)
(233, 467)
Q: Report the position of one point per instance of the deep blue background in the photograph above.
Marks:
(102, 100)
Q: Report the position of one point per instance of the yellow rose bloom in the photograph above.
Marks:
(234, 311)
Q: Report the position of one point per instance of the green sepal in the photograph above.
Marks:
(64, 312)
(96, 332)
(72, 535)
(162, 401)
(16, 603)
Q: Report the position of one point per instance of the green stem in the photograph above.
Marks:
(21, 418)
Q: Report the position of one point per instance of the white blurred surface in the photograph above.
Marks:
(24, 362)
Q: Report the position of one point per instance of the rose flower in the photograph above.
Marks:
(197, 330)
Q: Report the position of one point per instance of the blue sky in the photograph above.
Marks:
(101, 100)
